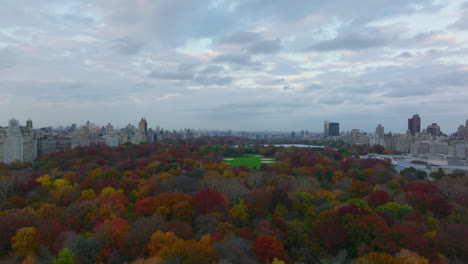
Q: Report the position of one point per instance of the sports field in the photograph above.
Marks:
(252, 161)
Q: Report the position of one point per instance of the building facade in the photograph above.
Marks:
(17, 142)
(414, 124)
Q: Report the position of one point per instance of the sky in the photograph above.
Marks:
(277, 65)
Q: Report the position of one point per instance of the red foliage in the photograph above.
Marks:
(258, 202)
(332, 236)
(26, 186)
(350, 209)
(246, 233)
(452, 241)
(433, 202)
(17, 202)
(49, 231)
(216, 238)
(146, 206)
(210, 201)
(379, 197)
(268, 248)
(415, 217)
(393, 239)
(424, 187)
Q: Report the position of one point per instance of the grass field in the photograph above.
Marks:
(252, 161)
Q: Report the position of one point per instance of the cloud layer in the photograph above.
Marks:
(241, 65)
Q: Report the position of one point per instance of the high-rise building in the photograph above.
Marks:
(29, 142)
(379, 131)
(326, 125)
(414, 124)
(434, 130)
(142, 132)
(331, 129)
(13, 149)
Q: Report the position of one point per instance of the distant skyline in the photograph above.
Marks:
(242, 65)
(347, 127)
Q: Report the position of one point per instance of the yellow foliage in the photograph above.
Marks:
(239, 213)
(277, 261)
(222, 167)
(88, 194)
(338, 175)
(228, 174)
(47, 210)
(280, 211)
(142, 189)
(408, 257)
(95, 173)
(61, 182)
(108, 191)
(430, 235)
(205, 240)
(165, 245)
(162, 211)
(44, 180)
(243, 174)
(25, 241)
(172, 251)
(375, 258)
(59, 192)
(164, 176)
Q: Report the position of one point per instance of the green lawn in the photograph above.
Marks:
(252, 161)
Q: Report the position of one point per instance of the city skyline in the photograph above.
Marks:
(137, 122)
(247, 65)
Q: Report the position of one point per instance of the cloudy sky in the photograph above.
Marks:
(235, 64)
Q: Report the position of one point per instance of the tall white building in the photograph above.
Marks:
(13, 149)
(17, 142)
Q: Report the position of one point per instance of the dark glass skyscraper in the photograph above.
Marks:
(331, 129)
(414, 124)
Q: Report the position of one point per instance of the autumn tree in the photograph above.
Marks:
(25, 241)
(65, 256)
(258, 202)
(332, 236)
(377, 198)
(408, 257)
(375, 258)
(210, 201)
(165, 245)
(267, 248)
(239, 214)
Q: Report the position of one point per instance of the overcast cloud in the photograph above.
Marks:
(237, 64)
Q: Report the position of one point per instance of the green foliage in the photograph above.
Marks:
(358, 202)
(302, 201)
(394, 210)
(65, 256)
